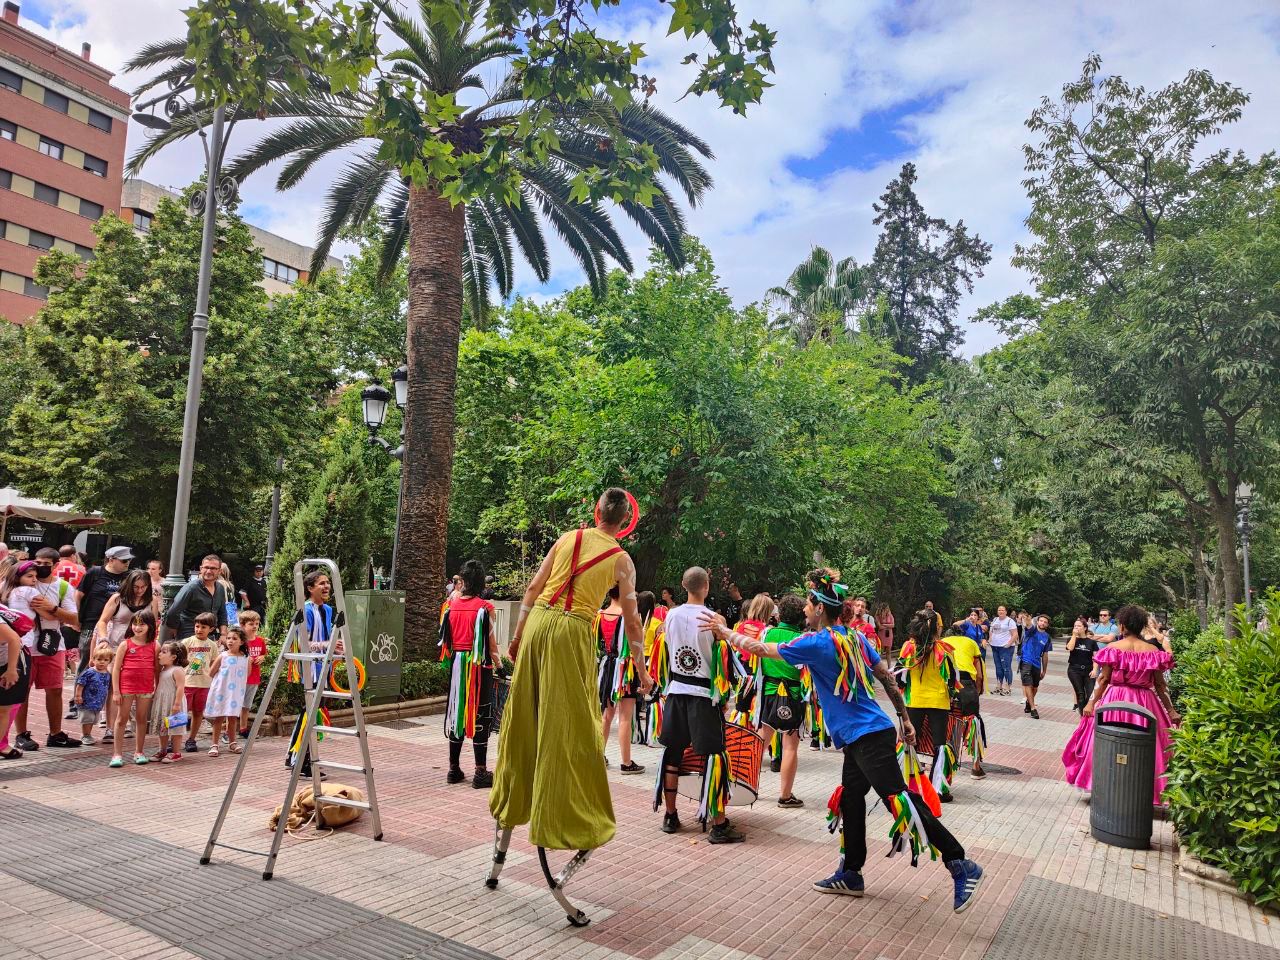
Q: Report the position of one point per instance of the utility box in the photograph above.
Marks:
(375, 623)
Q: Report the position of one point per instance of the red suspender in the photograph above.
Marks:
(566, 588)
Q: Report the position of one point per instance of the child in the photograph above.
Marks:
(250, 620)
(15, 674)
(92, 689)
(201, 648)
(170, 701)
(133, 683)
(229, 671)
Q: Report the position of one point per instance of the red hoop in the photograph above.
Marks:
(635, 515)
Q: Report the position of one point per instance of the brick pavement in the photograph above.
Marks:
(650, 896)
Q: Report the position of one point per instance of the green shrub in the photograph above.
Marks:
(1184, 624)
(1189, 651)
(1224, 781)
(425, 678)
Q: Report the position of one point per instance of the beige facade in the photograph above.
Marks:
(284, 263)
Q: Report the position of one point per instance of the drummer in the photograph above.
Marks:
(783, 708)
(692, 716)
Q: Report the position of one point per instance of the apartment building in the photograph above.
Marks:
(284, 263)
(62, 141)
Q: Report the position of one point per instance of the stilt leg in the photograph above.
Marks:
(575, 916)
(501, 841)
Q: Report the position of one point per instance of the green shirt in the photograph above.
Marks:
(779, 670)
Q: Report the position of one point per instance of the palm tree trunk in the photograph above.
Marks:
(434, 323)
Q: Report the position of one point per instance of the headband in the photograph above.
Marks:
(26, 565)
(827, 592)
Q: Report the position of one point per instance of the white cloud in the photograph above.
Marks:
(837, 61)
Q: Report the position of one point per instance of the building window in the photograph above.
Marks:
(10, 80)
(46, 194)
(84, 253)
(56, 101)
(8, 131)
(95, 165)
(90, 209)
(6, 180)
(33, 289)
(100, 120)
(41, 241)
(141, 221)
(51, 148)
(279, 271)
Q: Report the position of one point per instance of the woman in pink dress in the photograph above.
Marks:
(1129, 669)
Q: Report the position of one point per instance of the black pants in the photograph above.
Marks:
(936, 722)
(1081, 683)
(871, 764)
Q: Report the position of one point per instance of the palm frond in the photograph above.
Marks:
(351, 198)
(395, 230)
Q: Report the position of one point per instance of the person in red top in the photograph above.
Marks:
(69, 567)
(468, 637)
(256, 648)
(616, 680)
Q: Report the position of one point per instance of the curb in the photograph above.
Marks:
(377, 713)
(1196, 870)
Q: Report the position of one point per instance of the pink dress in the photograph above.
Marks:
(1133, 679)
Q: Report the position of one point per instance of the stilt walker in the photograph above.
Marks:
(551, 772)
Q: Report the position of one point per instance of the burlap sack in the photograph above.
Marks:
(304, 806)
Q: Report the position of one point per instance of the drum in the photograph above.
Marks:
(501, 690)
(746, 753)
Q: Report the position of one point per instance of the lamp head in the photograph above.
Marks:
(151, 121)
(374, 399)
(400, 383)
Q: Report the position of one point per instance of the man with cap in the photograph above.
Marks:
(94, 590)
(254, 593)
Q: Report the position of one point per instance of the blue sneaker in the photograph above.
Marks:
(968, 877)
(846, 883)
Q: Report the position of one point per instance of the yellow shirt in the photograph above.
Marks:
(966, 654)
(926, 689)
(651, 636)
(590, 586)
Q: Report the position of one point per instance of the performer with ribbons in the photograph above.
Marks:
(551, 772)
(783, 696)
(648, 713)
(617, 679)
(843, 664)
(968, 731)
(929, 677)
(468, 639)
(702, 674)
(754, 622)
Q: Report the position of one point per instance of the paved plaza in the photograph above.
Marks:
(101, 863)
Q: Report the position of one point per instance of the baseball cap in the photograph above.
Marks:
(120, 553)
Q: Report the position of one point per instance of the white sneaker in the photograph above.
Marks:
(88, 741)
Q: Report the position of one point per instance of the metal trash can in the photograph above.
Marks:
(1121, 809)
(375, 619)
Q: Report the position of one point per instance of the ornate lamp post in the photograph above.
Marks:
(374, 399)
(1244, 500)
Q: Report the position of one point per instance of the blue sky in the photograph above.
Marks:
(861, 87)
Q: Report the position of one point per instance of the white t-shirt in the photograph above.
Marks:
(20, 599)
(1003, 631)
(689, 650)
(61, 594)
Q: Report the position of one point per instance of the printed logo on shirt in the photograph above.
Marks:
(783, 710)
(688, 661)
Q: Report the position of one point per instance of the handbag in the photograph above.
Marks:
(965, 700)
(48, 642)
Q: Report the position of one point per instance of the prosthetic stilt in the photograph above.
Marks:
(557, 884)
(501, 841)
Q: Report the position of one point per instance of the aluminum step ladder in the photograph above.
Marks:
(316, 666)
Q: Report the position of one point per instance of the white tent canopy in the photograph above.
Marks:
(14, 504)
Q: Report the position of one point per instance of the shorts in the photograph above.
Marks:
(197, 697)
(250, 692)
(694, 721)
(1030, 674)
(46, 672)
(17, 694)
(781, 712)
(89, 718)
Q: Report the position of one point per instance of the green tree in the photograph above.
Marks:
(1159, 264)
(100, 422)
(921, 267)
(819, 297)
(557, 135)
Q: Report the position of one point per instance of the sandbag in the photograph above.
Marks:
(304, 806)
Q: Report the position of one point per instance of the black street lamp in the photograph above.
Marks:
(1244, 500)
(374, 398)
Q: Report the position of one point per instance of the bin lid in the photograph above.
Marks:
(1121, 727)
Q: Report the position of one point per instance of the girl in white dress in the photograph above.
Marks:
(229, 670)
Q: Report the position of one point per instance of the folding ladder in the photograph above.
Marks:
(316, 666)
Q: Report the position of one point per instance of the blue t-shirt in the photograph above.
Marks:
(1035, 644)
(845, 720)
(973, 631)
(95, 686)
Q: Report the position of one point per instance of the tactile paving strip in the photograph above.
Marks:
(160, 888)
(1054, 921)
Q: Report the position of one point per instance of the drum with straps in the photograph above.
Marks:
(746, 752)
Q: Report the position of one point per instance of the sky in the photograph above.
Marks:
(861, 87)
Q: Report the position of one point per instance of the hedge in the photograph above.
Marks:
(1224, 779)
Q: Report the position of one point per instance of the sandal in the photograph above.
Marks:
(213, 751)
(140, 759)
(13, 753)
(235, 748)
(116, 761)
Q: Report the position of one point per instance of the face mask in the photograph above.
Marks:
(44, 573)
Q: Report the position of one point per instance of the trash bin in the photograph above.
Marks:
(1121, 809)
(375, 620)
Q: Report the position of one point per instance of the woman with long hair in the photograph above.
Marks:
(1132, 670)
(617, 680)
(551, 772)
(929, 674)
(884, 626)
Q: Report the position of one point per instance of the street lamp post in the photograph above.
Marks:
(216, 190)
(1244, 499)
(374, 399)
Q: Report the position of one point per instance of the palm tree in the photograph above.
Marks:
(819, 293)
(456, 252)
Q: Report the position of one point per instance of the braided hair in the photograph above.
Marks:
(923, 631)
(825, 591)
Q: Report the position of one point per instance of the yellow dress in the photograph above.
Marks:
(551, 772)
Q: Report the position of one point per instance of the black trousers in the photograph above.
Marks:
(1081, 683)
(870, 763)
(935, 719)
